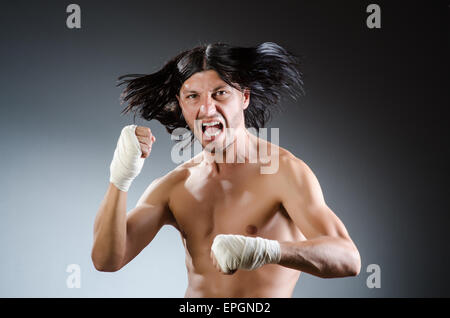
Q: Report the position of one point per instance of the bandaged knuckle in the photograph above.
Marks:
(143, 131)
(126, 163)
(238, 251)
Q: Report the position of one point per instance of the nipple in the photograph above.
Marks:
(251, 229)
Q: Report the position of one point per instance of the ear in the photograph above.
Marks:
(246, 97)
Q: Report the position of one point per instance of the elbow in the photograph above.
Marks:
(349, 266)
(354, 266)
(105, 266)
(353, 270)
(346, 265)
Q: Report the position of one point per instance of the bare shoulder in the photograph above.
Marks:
(160, 188)
(294, 171)
(289, 163)
(297, 181)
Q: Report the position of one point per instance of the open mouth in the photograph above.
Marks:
(212, 129)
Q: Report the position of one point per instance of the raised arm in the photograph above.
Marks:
(147, 218)
(328, 250)
(119, 237)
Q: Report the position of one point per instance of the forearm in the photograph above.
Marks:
(110, 230)
(325, 257)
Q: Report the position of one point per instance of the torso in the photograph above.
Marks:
(244, 201)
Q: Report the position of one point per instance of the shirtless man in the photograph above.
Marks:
(246, 234)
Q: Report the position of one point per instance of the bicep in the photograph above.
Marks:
(303, 200)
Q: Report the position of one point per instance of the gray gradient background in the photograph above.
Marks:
(371, 127)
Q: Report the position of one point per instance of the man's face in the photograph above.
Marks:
(210, 105)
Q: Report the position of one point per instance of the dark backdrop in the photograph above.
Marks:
(372, 126)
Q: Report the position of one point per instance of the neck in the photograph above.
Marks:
(242, 150)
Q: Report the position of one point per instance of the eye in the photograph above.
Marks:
(191, 96)
(221, 93)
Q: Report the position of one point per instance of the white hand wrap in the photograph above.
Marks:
(242, 252)
(127, 162)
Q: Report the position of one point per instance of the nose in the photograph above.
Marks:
(207, 107)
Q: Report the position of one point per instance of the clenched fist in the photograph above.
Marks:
(146, 140)
(134, 145)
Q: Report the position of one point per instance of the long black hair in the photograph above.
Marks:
(268, 70)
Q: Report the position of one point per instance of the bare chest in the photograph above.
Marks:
(245, 204)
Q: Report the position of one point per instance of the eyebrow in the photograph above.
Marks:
(215, 89)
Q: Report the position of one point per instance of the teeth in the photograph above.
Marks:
(211, 123)
(212, 135)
